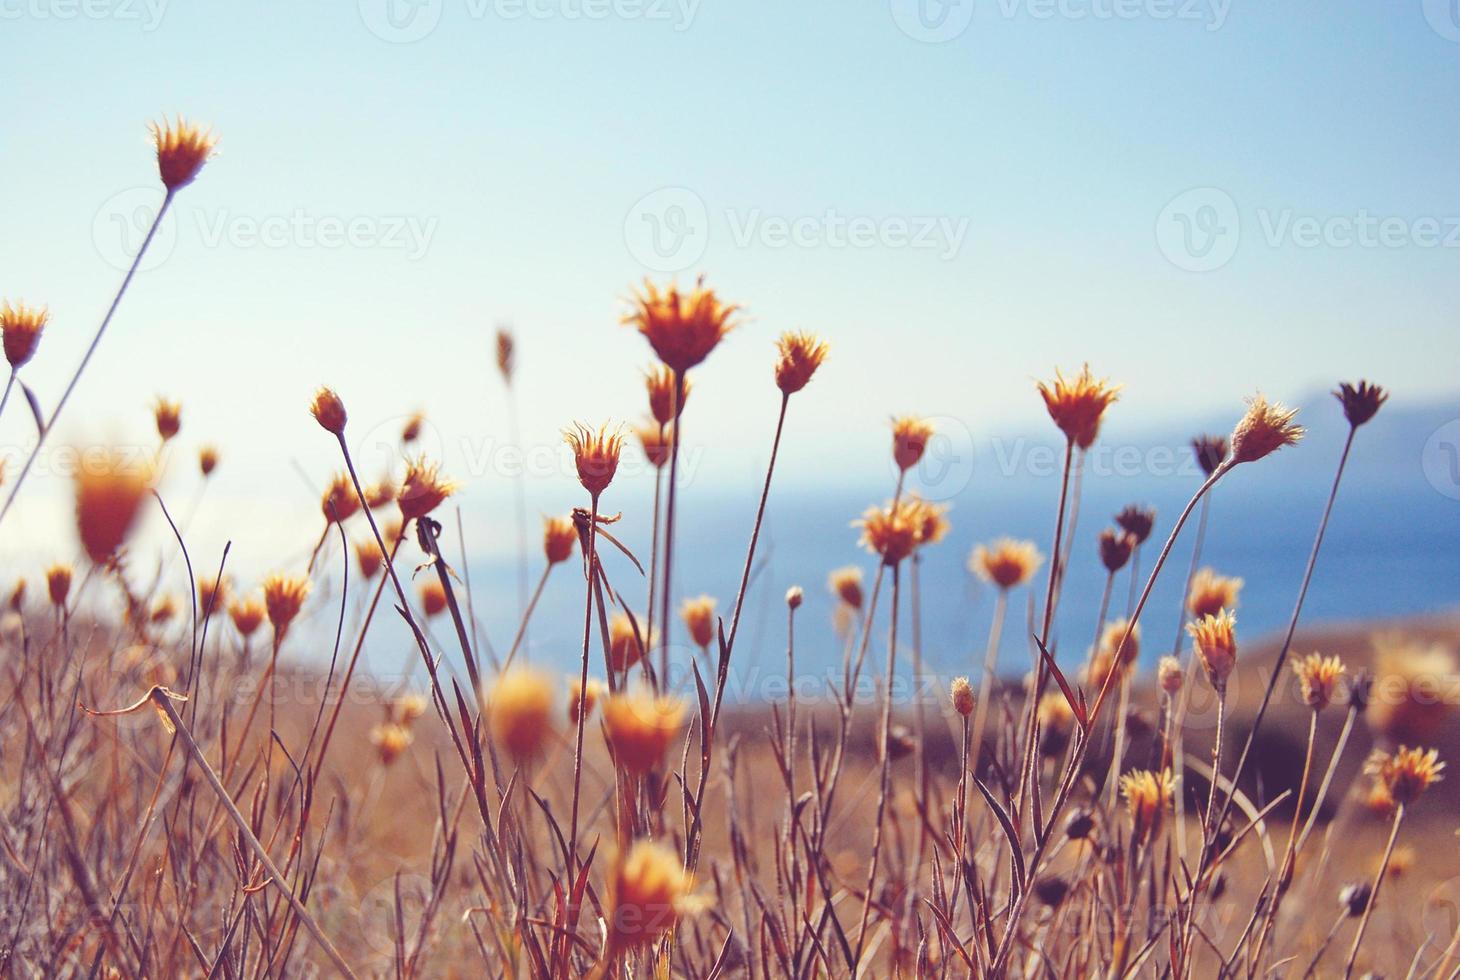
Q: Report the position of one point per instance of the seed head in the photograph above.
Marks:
(1216, 644)
(1407, 773)
(558, 537)
(433, 597)
(369, 558)
(506, 354)
(1354, 897)
(1147, 798)
(390, 740)
(212, 596)
(411, 431)
(328, 410)
(846, 585)
(521, 709)
(1210, 452)
(1361, 402)
(247, 615)
(910, 436)
(182, 149)
(659, 382)
(1138, 521)
(640, 726)
(380, 493)
(21, 326)
(1318, 678)
(595, 454)
(649, 891)
(1170, 675)
(800, 355)
(58, 584)
(962, 694)
(1266, 428)
(1210, 593)
(895, 529)
(168, 415)
(109, 493)
(626, 642)
(340, 501)
(795, 595)
(1077, 405)
(207, 460)
(699, 618)
(408, 707)
(1115, 548)
(423, 489)
(284, 595)
(583, 702)
(1006, 563)
(682, 328)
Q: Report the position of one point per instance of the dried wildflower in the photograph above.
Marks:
(962, 694)
(182, 149)
(1361, 402)
(521, 709)
(1354, 897)
(1056, 723)
(1170, 675)
(682, 329)
(163, 610)
(411, 431)
(626, 642)
(408, 707)
(582, 702)
(340, 502)
(392, 530)
(1266, 428)
(390, 740)
(369, 558)
(1401, 862)
(1378, 801)
(109, 494)
(284, 596)
(800, 355)
(649, 891)
(1112, 636)
(328, 410)
(1210, 451)
(22, 326)
(846, 585)
(558, 537)
(506, 354)
(1115, 548)
(58, 584)
(423, 489)
(1079, 825)
(933, 524)
(1147, 798)
(910, 436)
(1078, 405)
(1210, 593)
(433, 596)
(795, 595)
(1138, 521)
(654, 439)
(207, 460)
(699, 618)
(1318, 677)
(659, 381)
(892, 530)
(380, 493)
(640, 726)
(595, 454)
(168, 416)
(1216, 645)
(900, 742)
(1051, 890)
(1413, 701)
(1407, 773)
(1006, 563)
(212, 596)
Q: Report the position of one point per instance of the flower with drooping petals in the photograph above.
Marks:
(1361, 402)
(682, 328)
(1077, 405)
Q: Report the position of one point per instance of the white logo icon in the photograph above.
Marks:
(667, 230)
(1199, 229)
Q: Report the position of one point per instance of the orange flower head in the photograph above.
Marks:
(1361, 402)
(433, 597)
(595, 454)
(168, 416)
(699, 618)
(212, 596)
(1210, 452)
(659, 381)
(521, 708)
(109, 494)
(408, 707)
(962, 694)
(390, 740)
(800, 354)
(640, 726)
(380, 493)
(1077, 405)
(1006, 563)
(578, 701)
(1210, 593)
(910, 436)
(284, 596)
(1216, 645)
(1170, 675)
(506, 354)
(247, 615)
(1137, 521)
(163, 610)
(649, 891)
(893, 530)
(207, 460)
(1412, 698)
(423, 489)
(626, 642)
(1056, 723)
(683, 328)
(932, 520)
(1115, 548)
(559, 535)
(182, 149)
(1318, 678)
(1111, 639)
(368, 558)
(340, 502)
(329, 410)
(1266, 428)
(21, 326)
(58, 583)
(1147, 797)
(654, 439)
(846, 585)
(1407, 773)
(411, 431)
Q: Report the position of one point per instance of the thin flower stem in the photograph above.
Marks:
(654, 561)
(1353, 953)
(986, 682)
(676, 434)
(885, 763)
(5, 398)
(583, 684)
(755, 531)
(527, 615)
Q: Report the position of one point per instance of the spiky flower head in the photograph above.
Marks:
(340, 502)
(1215, 637)
(558, 537)
(1266, 428)
(21, 326)
(422, 489)
(247, 614)
(895, 529)
(933, 521)
(962, 694)
(58, 583)
(520, 706)
(1138, 521)
(1114, 641)
(1407, 773)
(699, 618)
(390, 740)
(1077, 405)
(328, 410)
(846, 585)
(380, 493)
(1170, 675)
(910, 437)
(649, 891)
(1210, 593)
(578, 701)
(595, 454)
(1147, 797)
(369, 558)
(168, 416)
(659, 382)
(207, 460)
(1318, 679)
(640, 726)
(683, 328)
(800, 354)
(110, 488)
(433, 597)
(284, 596)
(1006, 562)
(626, 641)
(1361, 401)
(1116, 547)
(506, 354)
(1210, 451)
(212, 596)
(182, 149)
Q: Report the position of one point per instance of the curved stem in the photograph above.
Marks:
(1353, 953)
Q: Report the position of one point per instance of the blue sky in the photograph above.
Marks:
(1201, 199)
